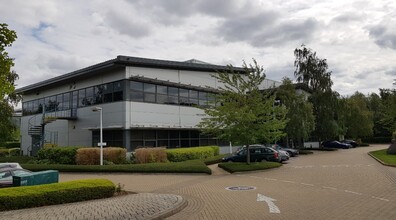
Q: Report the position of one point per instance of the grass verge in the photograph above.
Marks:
(241, 167)
(192, 166)
(383, 157)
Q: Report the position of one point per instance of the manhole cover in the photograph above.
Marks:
(240, 188)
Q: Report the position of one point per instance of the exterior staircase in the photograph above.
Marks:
(36, 128)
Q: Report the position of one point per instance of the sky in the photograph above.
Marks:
(357, 38)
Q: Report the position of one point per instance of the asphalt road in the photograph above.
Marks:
(346, 184)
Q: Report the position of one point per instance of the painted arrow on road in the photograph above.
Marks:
(270, 201)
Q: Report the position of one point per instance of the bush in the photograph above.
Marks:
(150, 155)
(57, 193)
(11, 145)
(183, 154)
(91, 156)
(215, 159)
(13, 152)
(377, 140)
(58, 155)
(216, 150)
(3, 152)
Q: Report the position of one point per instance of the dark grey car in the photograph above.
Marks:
(258, 153)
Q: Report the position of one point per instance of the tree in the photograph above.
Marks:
(360, 118)
(7, 83)
(301, 121)
(388, 119)
(312, 71)
(243, 114)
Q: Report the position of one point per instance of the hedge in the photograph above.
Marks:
(56, 193)
(58, 155)
(10, 145)
(191, 153)
(150, 155)
(91, 155)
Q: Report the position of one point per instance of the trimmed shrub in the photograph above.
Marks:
(150, 155)
(3, 152)
(11, 145)
(56, 193)
(216, 150)
(191, 153)
(91, 155)
(14, 152)
(58, 155)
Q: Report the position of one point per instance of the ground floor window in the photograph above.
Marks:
(112, 138)
(170, 138)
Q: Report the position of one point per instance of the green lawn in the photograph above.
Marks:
(241, 167)
(385, 158)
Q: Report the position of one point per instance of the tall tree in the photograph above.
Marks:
(301, 121)
(243, 114)
(388, 99)
(7, 83)
(312, 71)
(360, 118)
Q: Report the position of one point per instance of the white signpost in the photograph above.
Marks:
(270, 202)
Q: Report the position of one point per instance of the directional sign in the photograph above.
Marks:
(270, 202)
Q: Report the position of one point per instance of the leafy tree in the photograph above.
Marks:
(375, 106)
(388, 119)
(243, 114)
(360, 118)
(7, 83)
(312, 71)
(301, 121)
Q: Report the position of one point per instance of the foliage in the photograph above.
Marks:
(359, 117)
(7, 84)
(387, 159)
(150, 155)
(57, 193)
(14, 152)
(191, 166)
(215, 159)
(243, 114)
(191, 153)
(11, 144)
(241, 167)
(377, 140)
(91, 155)
(388, 119)
(304, 152)
(58, 155)
(3, 152)
(312, 72)
(16, 159)
(301, 121)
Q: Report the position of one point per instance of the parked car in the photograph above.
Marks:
(284, 155)
(7, 170)
(336, 144)
(351, 142)
(292, 152)
(258, 153)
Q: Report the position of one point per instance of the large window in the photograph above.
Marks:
(169, 138)
(104, 93)
(163, 94)
(112, 138)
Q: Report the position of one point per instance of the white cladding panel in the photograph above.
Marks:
(163, 116)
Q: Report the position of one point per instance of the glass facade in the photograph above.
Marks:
(170, 138)
(104, 93)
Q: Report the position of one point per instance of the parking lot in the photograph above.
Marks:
(344, 184)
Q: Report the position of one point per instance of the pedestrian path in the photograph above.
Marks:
(132, 206)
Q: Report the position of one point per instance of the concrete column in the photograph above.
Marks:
(127, 140)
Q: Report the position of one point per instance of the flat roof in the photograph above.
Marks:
(121, 62)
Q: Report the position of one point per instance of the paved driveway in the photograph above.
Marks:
(347, 184)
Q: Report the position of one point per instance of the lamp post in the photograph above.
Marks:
(101, 144)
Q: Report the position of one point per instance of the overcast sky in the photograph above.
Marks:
(358, 38)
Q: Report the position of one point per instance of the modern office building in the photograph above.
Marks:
(145, 102)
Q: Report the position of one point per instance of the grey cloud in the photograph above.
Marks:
(245, 28)
(127, 25)
(301, 31)
(347, 17)
(383, 36)
(391, 72)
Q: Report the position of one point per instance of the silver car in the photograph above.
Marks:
(7, 170)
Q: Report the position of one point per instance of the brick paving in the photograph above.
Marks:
(345, 184)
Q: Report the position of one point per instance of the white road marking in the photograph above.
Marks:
(287, 181)
(356, 193)
(270, 202)
(386, 200)
(328, 187)
(307, 184)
